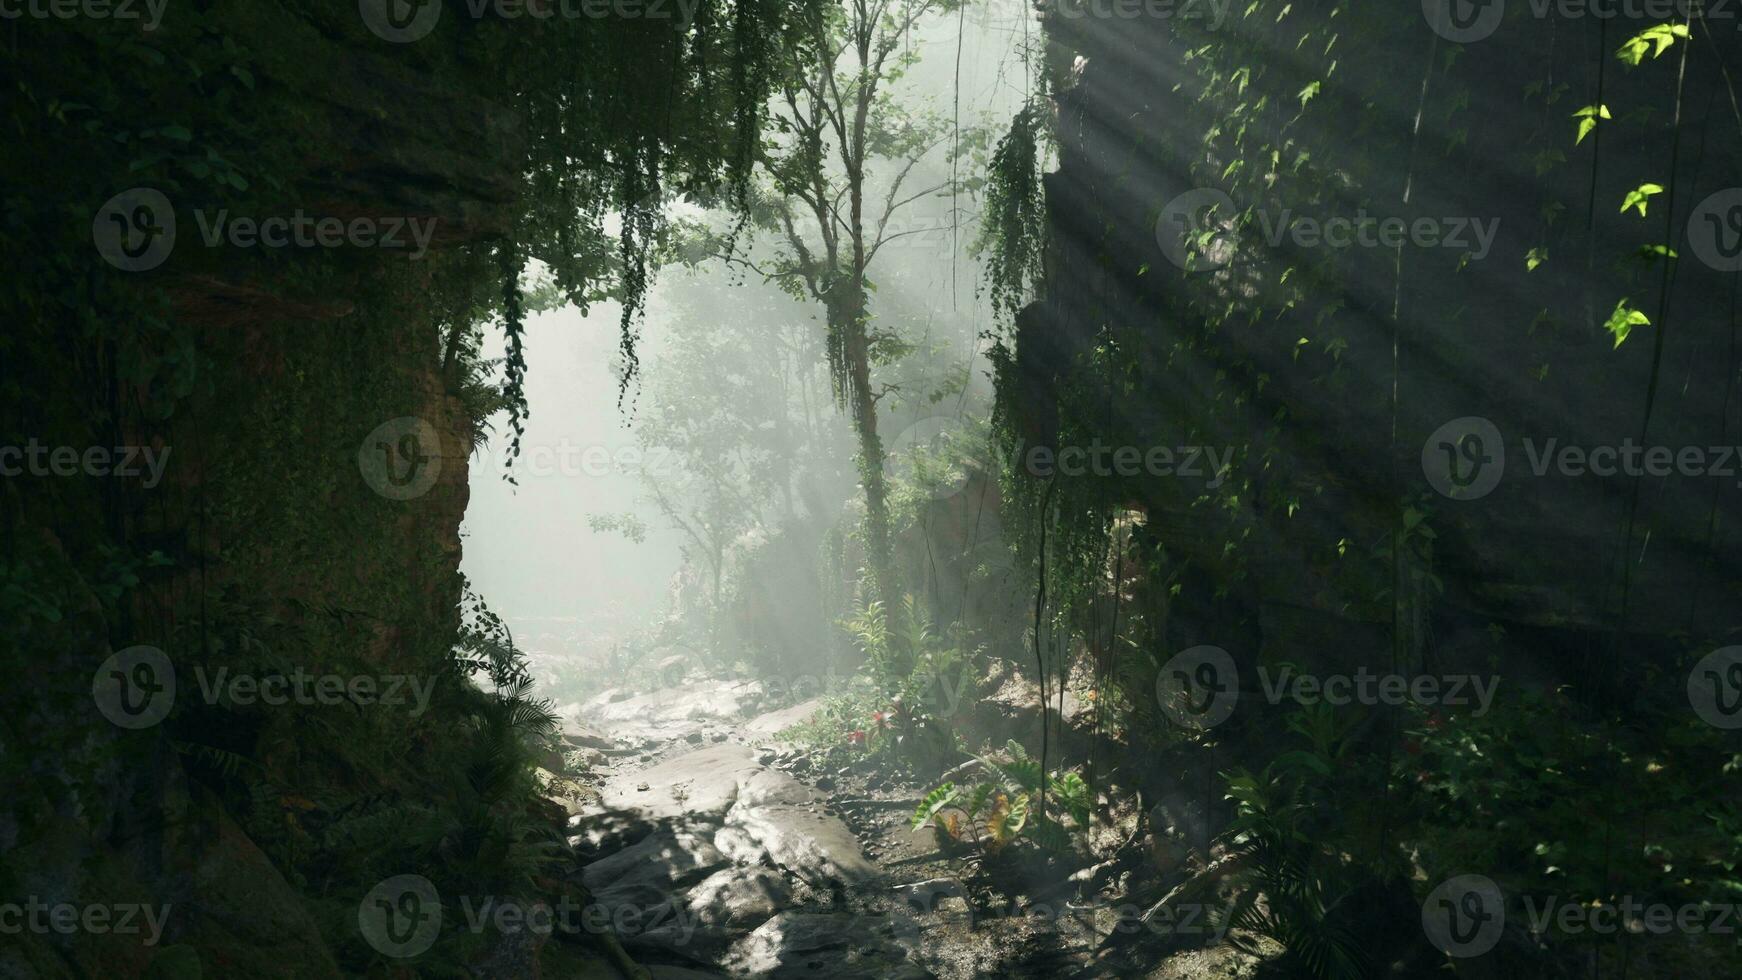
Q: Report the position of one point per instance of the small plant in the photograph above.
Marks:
(1292, 887)
(994, 813)
(891, 716)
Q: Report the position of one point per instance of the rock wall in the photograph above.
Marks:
(273, 545)
(1330, 375)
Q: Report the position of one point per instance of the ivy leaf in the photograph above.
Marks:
(1653, 39)
(1638, 197)
(1587, 118)
(1536, 257)
(1623, 320)
(1307, 94)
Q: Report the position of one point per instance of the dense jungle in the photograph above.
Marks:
(871, 489)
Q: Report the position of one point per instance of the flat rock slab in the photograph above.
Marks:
(813, 845)
(774, 722)
(672, 712)
(760, 815)
(713, 914)
(697, 785)
(659, 864)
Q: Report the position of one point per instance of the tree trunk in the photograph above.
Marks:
(849, 316)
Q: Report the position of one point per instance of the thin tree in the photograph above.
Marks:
(837, 182)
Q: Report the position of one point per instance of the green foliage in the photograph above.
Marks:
(995, 813)
(1293, 886)
(1013, 236)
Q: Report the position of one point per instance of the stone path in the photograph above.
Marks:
(714, 862)
(712, 858)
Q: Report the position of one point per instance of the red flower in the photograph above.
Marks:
(880, 719)
(856, 737)
(1433, 720)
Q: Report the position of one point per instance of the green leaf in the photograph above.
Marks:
(1638, 197)
(1536, 257)
(1623, 320)
(936, 800)
(1656, 40)
(1588, 117)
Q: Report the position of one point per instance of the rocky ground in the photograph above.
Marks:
(715, 849)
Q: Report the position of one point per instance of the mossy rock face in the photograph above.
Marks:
(175, 963)
(238, 910)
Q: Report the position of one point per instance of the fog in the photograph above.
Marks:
(571, 591)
